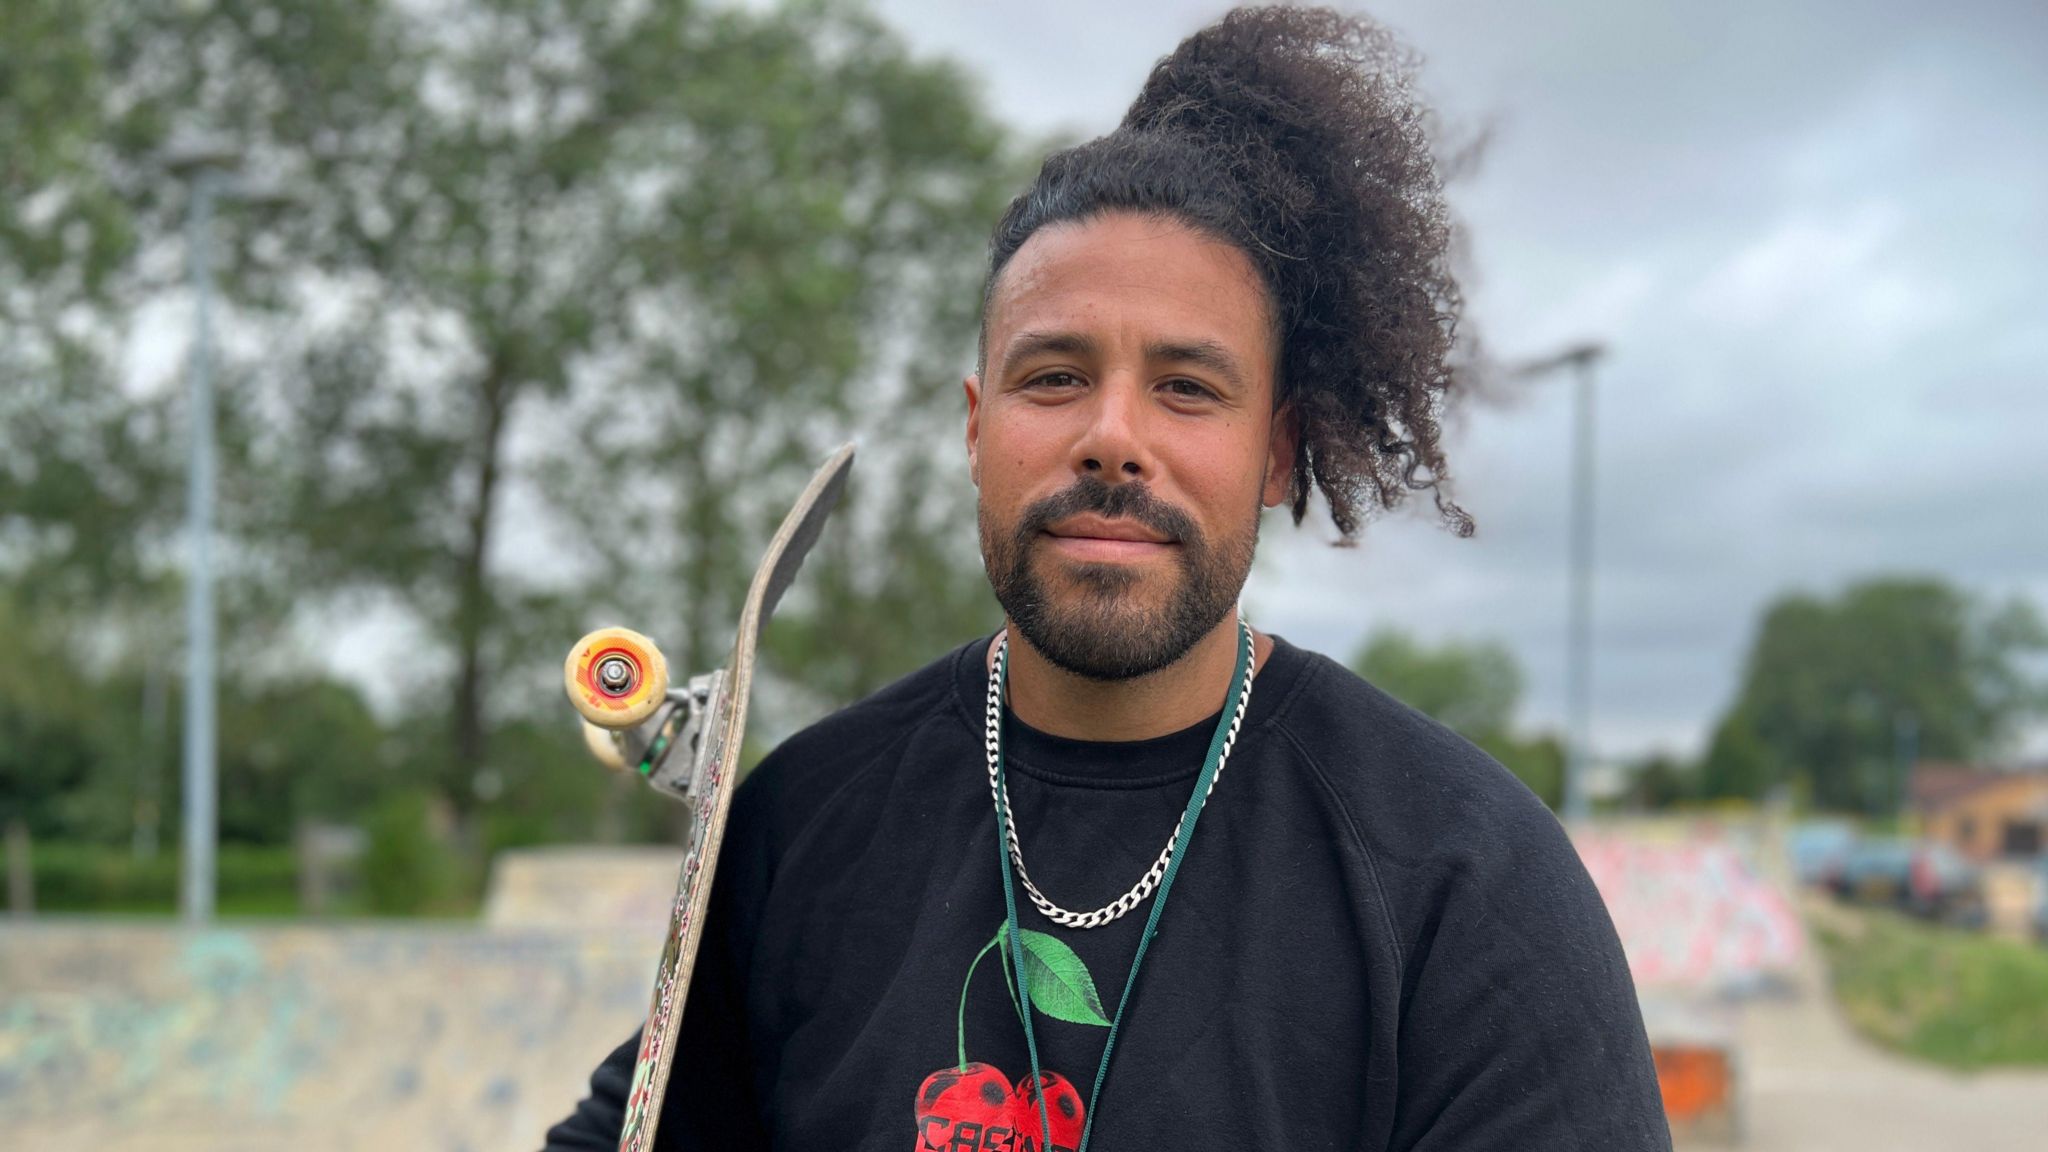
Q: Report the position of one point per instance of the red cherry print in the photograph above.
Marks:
(976, 1107)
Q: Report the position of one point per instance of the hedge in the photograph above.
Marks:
(73, 877)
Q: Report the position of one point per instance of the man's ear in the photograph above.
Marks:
(973, 385)
(1280, 453)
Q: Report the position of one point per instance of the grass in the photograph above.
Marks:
(1956, 998)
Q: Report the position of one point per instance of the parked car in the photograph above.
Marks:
(1875, 872)
(1818, 850)
(1943, 886)
(1927, 880)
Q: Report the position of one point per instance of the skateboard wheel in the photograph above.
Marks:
(603, 747)
(615, 677)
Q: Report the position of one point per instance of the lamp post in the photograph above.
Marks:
(1580, 360)
(211, 167)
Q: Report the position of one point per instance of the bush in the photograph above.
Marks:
(95, 878)
(407, 869)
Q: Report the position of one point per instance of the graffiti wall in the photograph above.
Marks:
(1692, 911)
(470, 1037)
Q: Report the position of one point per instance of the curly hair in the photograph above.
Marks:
(1295, 135)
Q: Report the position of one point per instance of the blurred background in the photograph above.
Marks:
(456, 327)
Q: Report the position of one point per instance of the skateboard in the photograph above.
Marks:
(686, 743)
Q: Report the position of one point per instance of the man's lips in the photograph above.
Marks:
(1095, 538)
(1104, 528)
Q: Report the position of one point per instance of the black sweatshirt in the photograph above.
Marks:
(1378, 939)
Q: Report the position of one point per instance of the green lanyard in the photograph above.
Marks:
(1186, 836)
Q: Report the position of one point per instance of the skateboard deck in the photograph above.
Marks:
(619, 681)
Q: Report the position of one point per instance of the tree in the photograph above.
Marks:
(91, 472)
(82, 467)
(1838, 696)
(1473, 689)
(63, 229)
(1659, 781)
(609, 276)
(1739, 764)
(47, 736)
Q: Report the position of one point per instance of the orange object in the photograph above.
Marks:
(1697, 1082)
(635, 697)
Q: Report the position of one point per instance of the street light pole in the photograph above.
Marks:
(211, 166)
(196, 898)
(1579, 676)
(1580, 359)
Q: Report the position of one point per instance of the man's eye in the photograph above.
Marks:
(1187, 389)
(1055, 380)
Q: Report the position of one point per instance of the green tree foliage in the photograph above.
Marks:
(1837, 694)
(629, 271)
(63, 227)
(569, 298)
(81, 760)
(50, 737)
(90, 475)
(87, 499)
(1472, 689)
(1658, 782)
(406, 866)
(299, 750)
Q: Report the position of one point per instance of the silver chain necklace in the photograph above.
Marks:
(1000, 791)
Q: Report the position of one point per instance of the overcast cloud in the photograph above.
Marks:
(1812, 235)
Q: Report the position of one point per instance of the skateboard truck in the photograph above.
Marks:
(633, 719)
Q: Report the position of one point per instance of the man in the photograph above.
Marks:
(942, 916)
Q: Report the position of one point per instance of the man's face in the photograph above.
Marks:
(1123, 438)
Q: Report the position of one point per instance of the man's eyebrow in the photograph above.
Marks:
(1028, 344)
(1200, 353)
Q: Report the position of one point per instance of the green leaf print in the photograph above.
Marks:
(1060, 984)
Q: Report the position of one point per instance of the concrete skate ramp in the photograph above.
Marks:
(584, 889)
(120, 1036)
(387, 1037)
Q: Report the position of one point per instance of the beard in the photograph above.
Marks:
(1106, 627)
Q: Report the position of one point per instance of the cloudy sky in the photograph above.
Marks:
(1813, 236)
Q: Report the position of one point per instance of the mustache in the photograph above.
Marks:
(1088, 494)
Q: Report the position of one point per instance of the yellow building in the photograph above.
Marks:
(1984, 813)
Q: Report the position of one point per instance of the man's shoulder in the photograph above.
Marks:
(1439, 821)
(858, 734)
(1414, 787)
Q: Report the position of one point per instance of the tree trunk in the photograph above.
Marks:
(472, 615)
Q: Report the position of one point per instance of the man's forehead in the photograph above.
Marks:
(1125, 275)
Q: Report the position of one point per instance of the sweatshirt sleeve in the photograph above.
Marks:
(710, 1097)
(711, 1101)
(594, 1126)
(1520, 1028)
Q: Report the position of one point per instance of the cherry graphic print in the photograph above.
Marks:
(977, 1107)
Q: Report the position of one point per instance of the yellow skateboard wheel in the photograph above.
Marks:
(602, 746)
(615, 677)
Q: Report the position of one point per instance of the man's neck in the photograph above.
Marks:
(1185, 692)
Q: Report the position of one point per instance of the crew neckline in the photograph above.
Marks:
(1165, 759)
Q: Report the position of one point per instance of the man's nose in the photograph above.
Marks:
(1114, 446)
